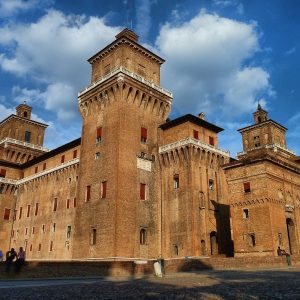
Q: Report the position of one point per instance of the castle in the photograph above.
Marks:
(138, 185)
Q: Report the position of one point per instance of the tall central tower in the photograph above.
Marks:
(118, 207)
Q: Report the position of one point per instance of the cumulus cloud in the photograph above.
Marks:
(143, 17)
(205, 66)
(11, 7)
(53, 52)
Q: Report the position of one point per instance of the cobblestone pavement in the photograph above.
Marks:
(281, 283)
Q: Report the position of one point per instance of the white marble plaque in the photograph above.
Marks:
(144, 164)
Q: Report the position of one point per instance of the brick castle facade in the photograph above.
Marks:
(138, 185)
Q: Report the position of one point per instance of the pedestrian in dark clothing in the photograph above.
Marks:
(10, 256)
(279, 251)
(20, 260)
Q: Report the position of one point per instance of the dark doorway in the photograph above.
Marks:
(213, 243)
(291, 235)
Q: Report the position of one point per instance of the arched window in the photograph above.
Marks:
(25, 114)
(143, 236)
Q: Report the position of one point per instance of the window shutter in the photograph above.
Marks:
(142, 191)
(99, 132)
(2, 173)
(104, 188)
(62, 160)
(143, 133)
(6, 214)
(247, 187)
(196, 134)
(88, 193)
(74, 153)
(211, 141)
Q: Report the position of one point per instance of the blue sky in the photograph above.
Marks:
(222, 57)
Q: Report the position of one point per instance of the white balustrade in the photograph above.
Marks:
(130, 74)
(8, 140)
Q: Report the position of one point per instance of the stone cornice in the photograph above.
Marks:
(123, 71)
(131, 44)
(8, 141)
(194, 142)
(40, 174)
(23, 119)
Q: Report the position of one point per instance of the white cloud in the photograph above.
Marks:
(11, 7)
(53, 51)
(290, 51)
(143, 17)
(205, 65)
(5, 112)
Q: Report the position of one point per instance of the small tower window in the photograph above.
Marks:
(55, 204)
(259, 119)
(88, 193)
(245, 213)
(142, 191)
(176, 181)
(211, 141)
(6, 214)
(69, 229)
(247, 187)
(210, 184)
(144, 135)
(176, 250)
(143, 236)
(256, 141)
(103, 189)
(25, 114)
(99, 135)
(27, 136)
(93, 236)
(2, 173)
(196, 134)
(251, 239)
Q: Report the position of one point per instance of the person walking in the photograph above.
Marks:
(20, 260)
(10, 256)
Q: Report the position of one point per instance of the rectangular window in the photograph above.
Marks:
(69, 229)
(142, 191)
(55, 204)
(88, 193)
(44, 166)
(27, 136)
(26, 231)
(54, 227)
(144, 135)
(51, 245)
(74, 202)
(62, 159)
(40, 247)
(103, 189)
(20, 213)
(6, 213)
(36, 209)
(210, 184)
(43, 228)
(176, 181)
(196, 134)
(247, 188)
(74, 154)
(33, 230)
(211, 141)
(93, 236)
(2, 173)
(36, 169)
(99, 135)
(28, 211)
(97, 155)
(68, 203)
(30, 248)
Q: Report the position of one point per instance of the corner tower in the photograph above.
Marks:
(121, 111)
